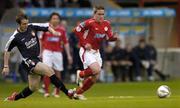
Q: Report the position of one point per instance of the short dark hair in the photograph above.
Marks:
(54, 13)
(98, 8)
(142, 40)
(20, 17)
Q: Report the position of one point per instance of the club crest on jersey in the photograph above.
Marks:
(33, 33)
(106, 28)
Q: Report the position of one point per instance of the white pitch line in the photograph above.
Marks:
(120, 97)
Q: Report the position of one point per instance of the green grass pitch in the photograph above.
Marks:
(110, 95)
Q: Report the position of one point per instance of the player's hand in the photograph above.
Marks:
(56, 33)
(88, 46)
(115, 35)
(5, 71)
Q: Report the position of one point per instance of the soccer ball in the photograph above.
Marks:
(163, 91)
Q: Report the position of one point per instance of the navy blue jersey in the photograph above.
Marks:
(118, 53)
(141, 53)
(27, 42)
(152, 52)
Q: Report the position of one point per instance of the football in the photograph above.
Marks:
(163, 91)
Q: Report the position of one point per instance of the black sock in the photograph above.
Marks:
(23, 94)
(58, 83)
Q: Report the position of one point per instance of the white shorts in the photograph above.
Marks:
(53, 59)
(89, 57)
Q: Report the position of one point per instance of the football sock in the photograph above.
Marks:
(46, 81)
(23, 94)
(88, 82)
(58, 84)
(86, 72)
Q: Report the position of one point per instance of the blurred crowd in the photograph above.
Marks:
(47, 3)
(8, 4)
(133, 63)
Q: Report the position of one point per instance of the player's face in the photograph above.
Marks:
(142, 45)
(128, 47)
(55, 20)
(99, 15)
(24, 24)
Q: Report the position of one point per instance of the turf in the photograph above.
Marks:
(110, 95)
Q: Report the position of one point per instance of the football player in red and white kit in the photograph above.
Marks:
(91, 32)
(52, 47)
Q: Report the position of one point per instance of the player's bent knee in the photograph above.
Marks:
(97, 71)
(49, 72)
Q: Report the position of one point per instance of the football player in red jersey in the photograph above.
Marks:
(91, 32)
(52, 48)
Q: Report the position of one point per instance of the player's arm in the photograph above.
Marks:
(41, 37)
(44, 27)
(9, 46)
(50, 29)
(6, 63)
(67, 48)
(79, 32)
(110, 35)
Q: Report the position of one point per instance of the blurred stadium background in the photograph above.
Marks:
(158, 20)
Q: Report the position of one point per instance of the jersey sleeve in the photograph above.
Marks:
(80, 30)
(109, 32)
(40, 26)
(11, 43)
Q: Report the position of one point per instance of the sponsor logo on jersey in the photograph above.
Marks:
(97, 35)
(53, 39)
(31, 43)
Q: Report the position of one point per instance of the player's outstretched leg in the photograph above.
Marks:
(16, 96)
(33, 81)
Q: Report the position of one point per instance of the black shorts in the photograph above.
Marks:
(30, 63)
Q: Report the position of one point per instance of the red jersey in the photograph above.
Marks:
(54, 43)
(93, 32)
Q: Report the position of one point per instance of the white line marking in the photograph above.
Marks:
(120, 97)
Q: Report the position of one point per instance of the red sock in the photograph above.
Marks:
(86, 72)
(86, 85)
(46, 81)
